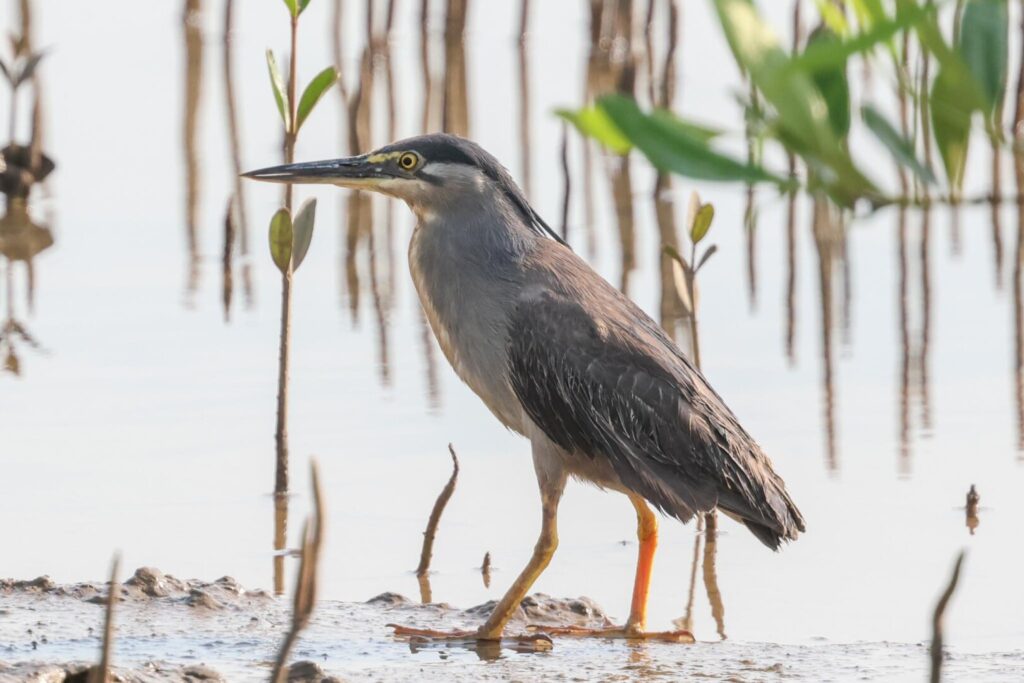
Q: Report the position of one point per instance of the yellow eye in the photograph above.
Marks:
(408, 161)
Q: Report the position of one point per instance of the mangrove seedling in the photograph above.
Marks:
(290, 239)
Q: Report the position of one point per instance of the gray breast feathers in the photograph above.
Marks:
(598, 377)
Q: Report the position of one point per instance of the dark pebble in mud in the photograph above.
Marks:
(309, 672)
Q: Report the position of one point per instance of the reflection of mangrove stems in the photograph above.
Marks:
(566, 181)
(926, 315)
(306, 581)
(940, 609)
(227, 284)
(904, 412)
(435, 517)
(193, 83)
(280, 538)
(428, 82)
(233, 129)
(1018, 301)
(524, 99)
(101, 673)
(241, 213)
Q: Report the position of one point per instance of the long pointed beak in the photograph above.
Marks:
(350, 172)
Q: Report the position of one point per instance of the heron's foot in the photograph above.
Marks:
(534, 641)
(617, 632)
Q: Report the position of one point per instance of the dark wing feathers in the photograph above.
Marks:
(613, 386)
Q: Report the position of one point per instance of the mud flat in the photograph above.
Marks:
(170, 629)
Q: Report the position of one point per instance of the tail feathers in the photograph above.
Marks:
(773, 521)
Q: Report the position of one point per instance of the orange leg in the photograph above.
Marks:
(647, 535)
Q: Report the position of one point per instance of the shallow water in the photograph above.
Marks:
(145, 424)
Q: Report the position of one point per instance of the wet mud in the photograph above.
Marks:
(170, 629)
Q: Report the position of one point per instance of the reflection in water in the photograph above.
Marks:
(192, 24)
(563, 155)
(971, 510)
(524, 100)
(710, 575)
(21, 239)
(280, 539)
(827, 243)
(455, 113)
(904, 411)
(791, 267)
(686, 621)
(994, 209)
(236, 221)
(750, 231)
(22, 168)
(1018, 304)
(797, 29)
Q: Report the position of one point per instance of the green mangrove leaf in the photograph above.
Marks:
(901, 149)
(951, 124)
(802, 123)
(594, 123)
(958, 76)
(694, 130)
(320, 84)
(832, 84)
(882, 29)
(671, 252)
(702, 222)
(303, 232)
(868, 12)
(833, 17)
(705, 256)
(670, 149)
(277, 84)
(292, 6)
(281, 239)
(303, 4)
(983, 47)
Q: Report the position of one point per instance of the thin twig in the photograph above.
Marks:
(101, 673)
(435, 517)
(306, 581)
(940, 610)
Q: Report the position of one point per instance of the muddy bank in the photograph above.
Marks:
(186, 630)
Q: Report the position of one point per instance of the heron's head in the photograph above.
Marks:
(429, 172)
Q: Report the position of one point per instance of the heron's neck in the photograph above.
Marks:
(468, 270)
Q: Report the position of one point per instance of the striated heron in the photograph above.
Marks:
(563, 358)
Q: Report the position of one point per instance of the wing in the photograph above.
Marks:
(600, 378)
